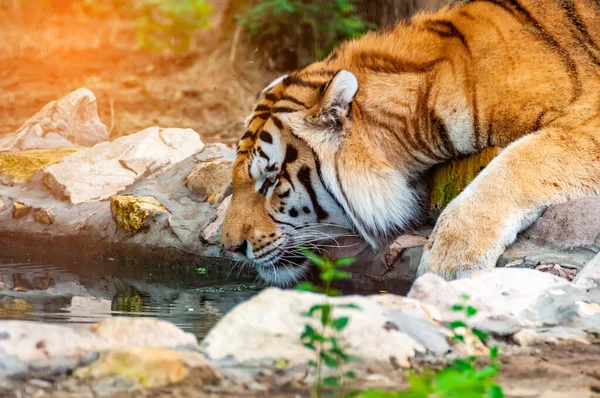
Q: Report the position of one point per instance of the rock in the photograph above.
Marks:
(589, 278)
(510, 299)
(400, 244)
(41, 347)
(558, 270)
(71, 121)
(44, 216)
(19, 167)
(569, 225)
(126, 332)
(150, 367)
(130, 212)
(212, 232)
(377, 334)
(449, 179)
(20, 210)
(108, 168)
(211, 181)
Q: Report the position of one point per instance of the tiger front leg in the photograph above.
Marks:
(551, 166)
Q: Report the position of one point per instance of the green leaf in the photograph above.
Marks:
(350, 374)
(457, 324)
(331, 381)
(458, 337)
(315, 258)
(495, 391)
(344, 261)
(201, 271)
(325, 314)
(308, 287)
(340, 323)
(470, 311)
(494, 352)
(483, 336)
(329, 360)
(457, 308)
(464, 297)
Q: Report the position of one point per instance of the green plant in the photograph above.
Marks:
(171, 24)
(326, 341)
(201, 271)
(304, 30)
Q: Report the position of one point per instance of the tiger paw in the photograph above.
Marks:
(466, 239)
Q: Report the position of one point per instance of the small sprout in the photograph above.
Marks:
(201, 271)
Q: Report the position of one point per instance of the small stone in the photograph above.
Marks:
(211, 180)
(403, 242)
(44, 216)
(20, 210)
(525, 337)
(131, 213)
(558, 270)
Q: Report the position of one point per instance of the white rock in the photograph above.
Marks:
(508, 299)
(70, 121)
(106, 169)
(268, 327)
(589, 277)
(26, 346)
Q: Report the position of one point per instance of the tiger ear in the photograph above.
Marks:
(271, 85)
(338, 95)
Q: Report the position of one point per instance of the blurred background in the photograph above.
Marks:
(172, 63)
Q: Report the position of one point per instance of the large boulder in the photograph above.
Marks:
(108, 168)
(71, 121)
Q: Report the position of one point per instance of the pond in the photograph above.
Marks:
(82, 284)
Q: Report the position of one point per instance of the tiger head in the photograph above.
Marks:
(294, 186)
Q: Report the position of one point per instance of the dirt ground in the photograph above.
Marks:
(210, 89)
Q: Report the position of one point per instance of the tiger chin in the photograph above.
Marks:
(342, 147)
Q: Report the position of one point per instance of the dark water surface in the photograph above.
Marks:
(72, 283)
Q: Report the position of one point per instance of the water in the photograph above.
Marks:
(83, 285)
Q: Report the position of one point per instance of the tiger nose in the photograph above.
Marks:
(241, 249)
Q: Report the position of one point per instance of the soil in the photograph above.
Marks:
(210, 89)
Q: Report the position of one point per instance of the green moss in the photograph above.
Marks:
(451, 178)
(19, 167)
(130, 212)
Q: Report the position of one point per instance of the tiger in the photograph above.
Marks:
(344, 146)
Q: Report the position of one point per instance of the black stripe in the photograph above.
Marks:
(283, 222)
(262, 108)
(247, 134)
(262, 154)
(447, 29)
(320, 174)
(293, 100)
(266, 137)
(278, 123)
(285, 194)
(296, 81)
(262, 116)
(440, 130)
(304, 177)
(283, 109)
(271, 97)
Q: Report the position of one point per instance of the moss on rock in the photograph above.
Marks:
(130, 212)
(449, 179)
(18, 167)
